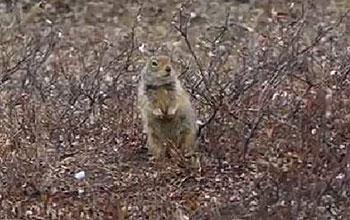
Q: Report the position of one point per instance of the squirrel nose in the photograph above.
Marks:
(168, 69)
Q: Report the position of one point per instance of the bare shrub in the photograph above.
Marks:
(270, 86)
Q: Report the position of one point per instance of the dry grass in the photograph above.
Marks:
(269, 81)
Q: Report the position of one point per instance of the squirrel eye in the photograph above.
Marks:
(154, 63)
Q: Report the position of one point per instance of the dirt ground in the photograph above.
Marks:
(269, 80)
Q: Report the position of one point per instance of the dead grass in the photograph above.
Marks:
(270, 86)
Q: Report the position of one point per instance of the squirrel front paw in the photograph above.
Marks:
(172, 110)
(157, 112)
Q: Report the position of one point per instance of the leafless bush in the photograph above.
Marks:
(273, 101)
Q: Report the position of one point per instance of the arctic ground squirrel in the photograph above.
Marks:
(166, 111)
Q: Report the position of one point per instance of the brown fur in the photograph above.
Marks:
(166, 111)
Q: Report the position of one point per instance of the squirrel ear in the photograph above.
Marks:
(141, 60)
(147, 49)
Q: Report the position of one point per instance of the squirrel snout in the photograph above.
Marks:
(168, 69)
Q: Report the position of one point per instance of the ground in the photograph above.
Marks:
(269, 81)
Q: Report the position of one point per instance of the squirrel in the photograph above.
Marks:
(167, 114)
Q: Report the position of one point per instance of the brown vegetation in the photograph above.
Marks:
(269, 80)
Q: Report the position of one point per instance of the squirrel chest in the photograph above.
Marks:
(163, 99)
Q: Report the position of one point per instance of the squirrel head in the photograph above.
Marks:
(160, 66)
